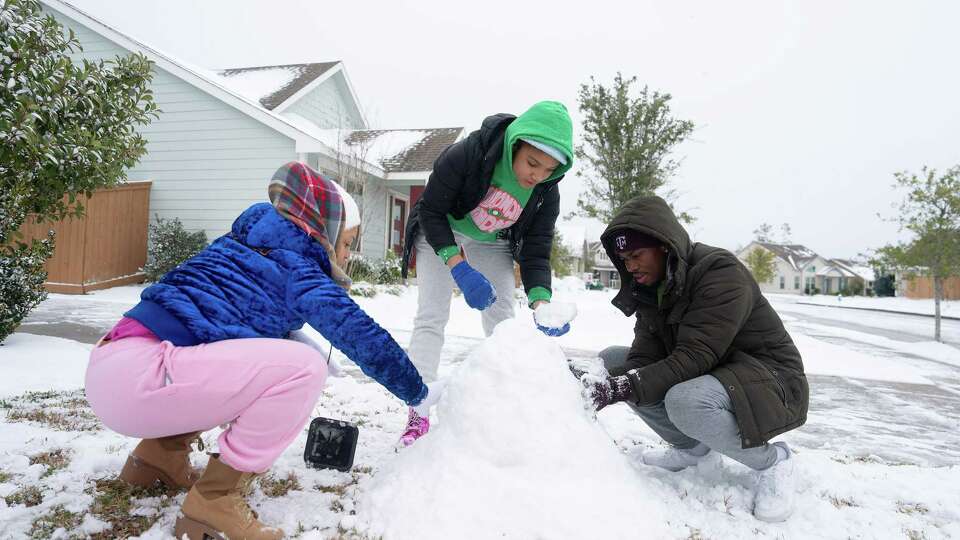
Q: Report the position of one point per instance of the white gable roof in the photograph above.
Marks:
(201, 78)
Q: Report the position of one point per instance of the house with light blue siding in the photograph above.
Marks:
(221, 134)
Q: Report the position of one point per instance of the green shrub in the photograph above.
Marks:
(170, 245)
(21, 281)
(363, 290)
(388, 269)
(382, 272)
(359, 269)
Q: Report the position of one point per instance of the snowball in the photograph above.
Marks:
(555, 314)
(515, 455)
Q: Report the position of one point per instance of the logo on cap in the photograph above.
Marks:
(621, 242)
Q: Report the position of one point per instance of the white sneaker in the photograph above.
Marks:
(776, 489)
(672, 459)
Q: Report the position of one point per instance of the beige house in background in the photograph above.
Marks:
(800, 270)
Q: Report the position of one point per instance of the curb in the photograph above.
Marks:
(944, 317)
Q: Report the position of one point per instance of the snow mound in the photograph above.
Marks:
(515, 456)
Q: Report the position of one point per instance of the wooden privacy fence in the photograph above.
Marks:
(105, 248)
(922, 287)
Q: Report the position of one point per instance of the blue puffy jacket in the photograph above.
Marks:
(264, 279)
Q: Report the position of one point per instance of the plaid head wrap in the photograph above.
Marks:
(313, 204)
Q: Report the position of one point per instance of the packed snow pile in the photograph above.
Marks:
(514, 455)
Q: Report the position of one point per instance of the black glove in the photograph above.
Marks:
(607, 392)
(577, 372)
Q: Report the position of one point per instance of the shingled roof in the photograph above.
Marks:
(272, 85)
(795, 254)
(404, 150)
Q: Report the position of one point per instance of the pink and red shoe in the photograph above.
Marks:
(417, 426)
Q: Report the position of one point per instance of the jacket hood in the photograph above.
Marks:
(650, 215)
(262, 227)
(546, 122)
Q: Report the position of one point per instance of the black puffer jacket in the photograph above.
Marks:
(461, 177)
(712, 319)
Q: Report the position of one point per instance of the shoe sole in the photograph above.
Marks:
(195, 530)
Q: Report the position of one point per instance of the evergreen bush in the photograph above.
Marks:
(170, 245)
(21, 281)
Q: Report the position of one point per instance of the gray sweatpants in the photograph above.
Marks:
(696, 411)
(492, 259)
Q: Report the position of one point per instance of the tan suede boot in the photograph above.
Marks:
(165, 460)
(215, 509)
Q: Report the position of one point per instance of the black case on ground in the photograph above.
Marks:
(331, 444)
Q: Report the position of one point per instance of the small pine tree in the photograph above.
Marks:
(761, 264)
(170, 245)
(628, 141)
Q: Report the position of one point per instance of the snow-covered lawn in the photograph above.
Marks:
(513, 455)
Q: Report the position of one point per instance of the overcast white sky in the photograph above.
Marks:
(804, 109)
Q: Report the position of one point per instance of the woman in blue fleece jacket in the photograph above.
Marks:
(210, 344)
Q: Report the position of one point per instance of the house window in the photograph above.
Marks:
(783, 282)
(796, 282)
(813, 268)
(614, 280)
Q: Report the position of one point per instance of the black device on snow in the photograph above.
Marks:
(331, 444)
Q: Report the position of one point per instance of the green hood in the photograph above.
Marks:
(547, 122)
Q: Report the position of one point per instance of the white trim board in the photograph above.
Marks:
(194, 75)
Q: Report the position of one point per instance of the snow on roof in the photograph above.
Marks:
(381, 146)
(257, 84)
(403, 150)
(851, 268)
(272, 85)
(796, 255)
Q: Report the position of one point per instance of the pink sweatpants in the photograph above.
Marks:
(265, 389)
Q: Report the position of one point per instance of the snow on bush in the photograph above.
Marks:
(514, 455)
(170, 245)
(21, 281)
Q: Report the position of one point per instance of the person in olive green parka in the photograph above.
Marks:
(711, 366)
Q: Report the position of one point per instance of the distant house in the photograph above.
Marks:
(800, 270)
(844, 274)
(222, 134)
(603, 269)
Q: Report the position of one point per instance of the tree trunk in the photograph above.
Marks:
(937, 296)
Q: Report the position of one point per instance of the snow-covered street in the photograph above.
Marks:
(878, 457)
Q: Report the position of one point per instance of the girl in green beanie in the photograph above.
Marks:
(491, 199)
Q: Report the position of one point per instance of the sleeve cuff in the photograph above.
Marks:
(420, 396)
(538, 293)
(446, 253)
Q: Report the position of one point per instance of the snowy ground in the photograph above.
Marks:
(878, 457)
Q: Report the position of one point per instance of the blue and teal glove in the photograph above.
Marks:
(476, 289)
(551, 331)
